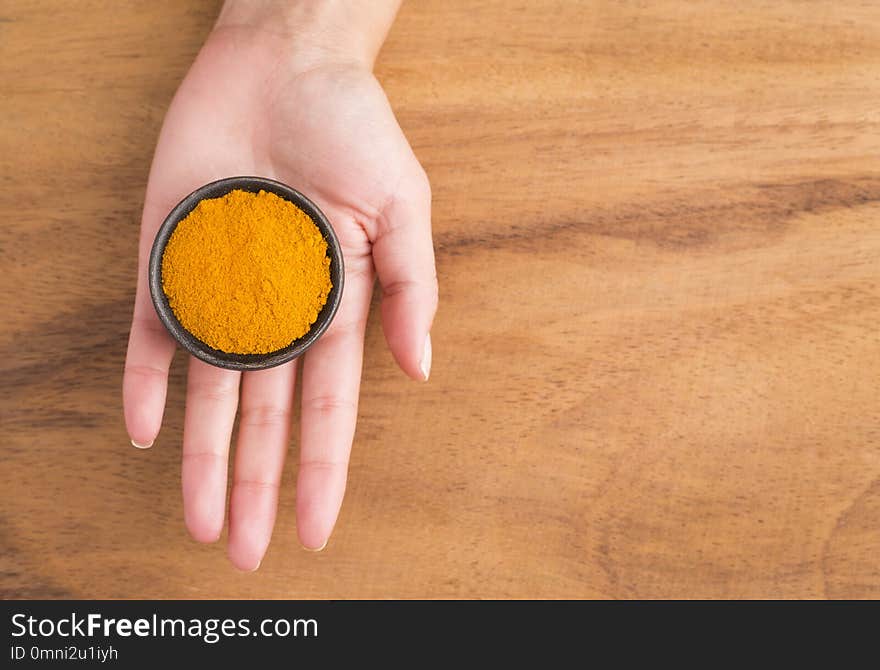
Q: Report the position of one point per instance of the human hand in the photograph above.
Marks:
(266, 100)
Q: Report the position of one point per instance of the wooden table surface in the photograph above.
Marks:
(656, 361)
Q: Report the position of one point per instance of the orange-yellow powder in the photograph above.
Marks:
(247, 273)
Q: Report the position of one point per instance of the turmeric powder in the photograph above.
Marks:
(246, 273)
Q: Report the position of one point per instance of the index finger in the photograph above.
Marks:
(331, 382)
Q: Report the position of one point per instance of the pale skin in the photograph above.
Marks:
(285, 90)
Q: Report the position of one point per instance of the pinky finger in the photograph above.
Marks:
(145, 380)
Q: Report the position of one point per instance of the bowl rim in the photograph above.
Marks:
(205, 352)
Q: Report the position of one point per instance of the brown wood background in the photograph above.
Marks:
(656, 361)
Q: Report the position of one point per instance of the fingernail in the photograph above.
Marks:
(142, 446)
(247, 571)
(315, 551)
(425, 364)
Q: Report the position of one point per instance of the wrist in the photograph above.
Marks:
(316, 31)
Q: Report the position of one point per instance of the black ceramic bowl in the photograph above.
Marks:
(198, 348)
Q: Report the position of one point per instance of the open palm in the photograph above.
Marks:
(324, 127)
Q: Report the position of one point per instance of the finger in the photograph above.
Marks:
(149, 354)
(404, 256)
(331, 381)
(263, 435)
(211, 401)
(145, 380)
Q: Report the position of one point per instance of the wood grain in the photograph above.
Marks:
(656, 361)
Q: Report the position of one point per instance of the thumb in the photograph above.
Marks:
(403, 253)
